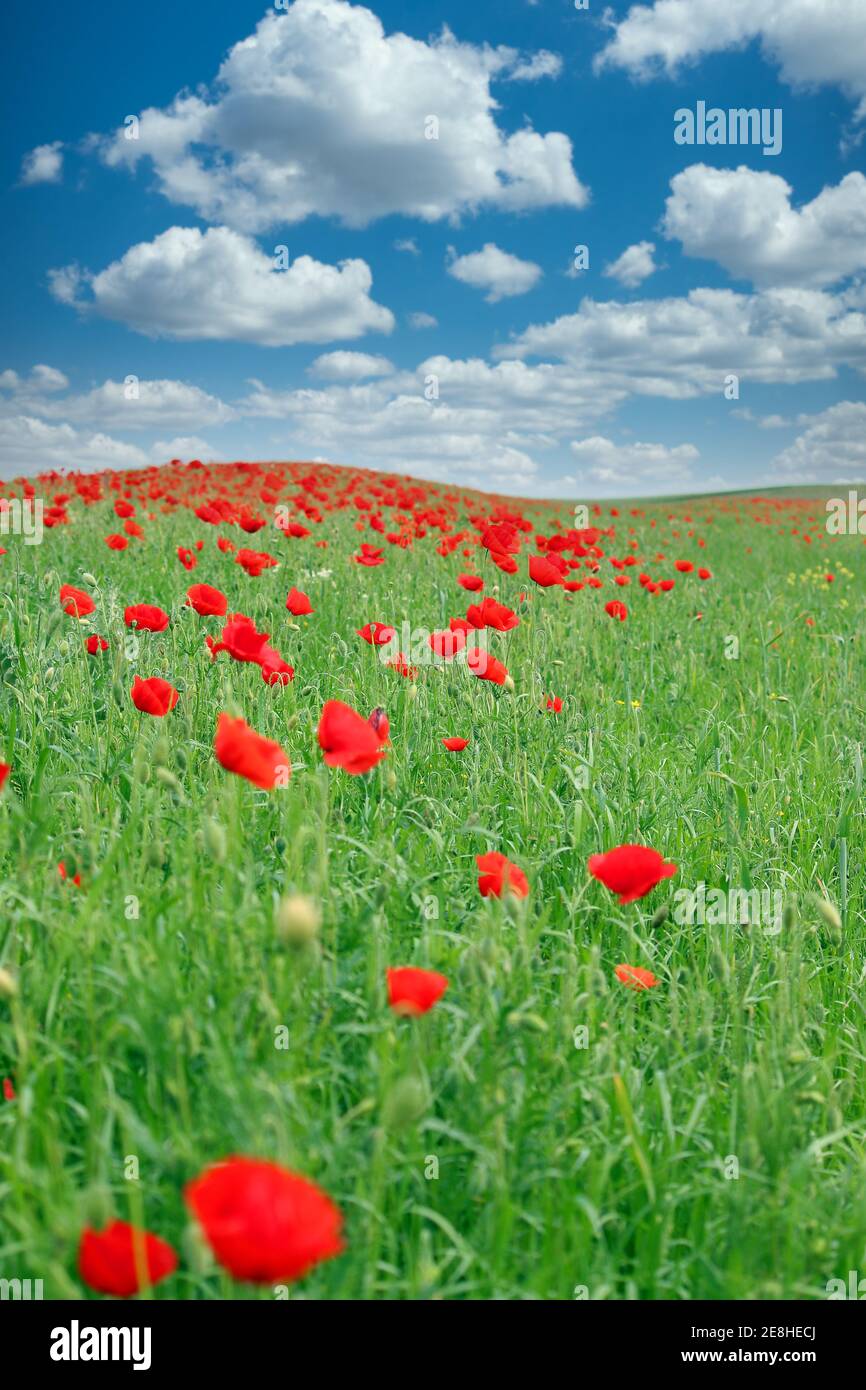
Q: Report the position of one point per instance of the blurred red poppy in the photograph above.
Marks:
(414, 991)
(264, 1223)
(5, 769)
(635, 977)
(554, 703)
(241, 750)
(497, 875)
(94, 644)
(113, 1260)
(630, 871)
(616, 609)
(455, 745)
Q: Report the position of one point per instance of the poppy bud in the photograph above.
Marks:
(298, 920)
(280, 845)
(90, 579)
(405, 1103)
(789, 916)
(508, 683)
(97, 1206)
(831, 917)
(391, 779)
(168, 779)
(412, 692)
(180, 759)
(156, 854)
(8, 985)
(660, 915)
(161, 751)
(215, 840)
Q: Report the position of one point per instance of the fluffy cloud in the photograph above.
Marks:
(30, 445)
(743, 219)
(832, 448)
(419, 319)
(321, 112)
(634, 265)
(496, 271)
(133, 405)
(602, 461)
(684, 347)
(190, 284)
(44, 164)
(41, 379)
(812, 41)
(350, 366)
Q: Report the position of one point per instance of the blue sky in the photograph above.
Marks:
(146, 315)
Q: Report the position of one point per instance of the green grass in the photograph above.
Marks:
(560, 1167)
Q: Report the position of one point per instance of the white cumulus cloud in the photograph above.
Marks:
(496, 271)
(319, 111)
(744, 219)
(217, 284)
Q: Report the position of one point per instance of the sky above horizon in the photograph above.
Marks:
(465, 243)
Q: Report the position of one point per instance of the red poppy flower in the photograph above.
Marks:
(206, 600)
(112, 1261)
(473, 582)
(486, 667)
(94, 644)
(254, 561)
(75, 602)
(146, 616)
(489, 613)
(630, 871)
(5, 769)
(153, 696)
(666, 585)
(116, 542)
(554, 703)
(186, 557)
(347, 740)
(8, 1089)
(241, 750)
(377, 634)
(635, 977)
(275, 671)
(123, 509)
(61, 869)
(378, 722)
(241, 640)
(543, 572)
(684, 566)
(414, 991)
(369, 555)
(447, 644)
(705, 573)
(616, 609)
(263, 1222)
(455, 745)
(497, 875)
(298, 604)
(402, 667)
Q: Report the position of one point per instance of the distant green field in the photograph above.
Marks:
(544, 1131)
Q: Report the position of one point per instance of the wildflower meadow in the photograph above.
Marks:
(387, 891)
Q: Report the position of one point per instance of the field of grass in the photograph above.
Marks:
(543, 1131)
